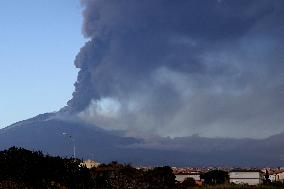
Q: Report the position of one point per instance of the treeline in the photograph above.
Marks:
(21, 168)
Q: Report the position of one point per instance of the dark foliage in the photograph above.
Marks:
(215, 177)
(160, 177)
(20, 168)
(116, 175)
(35, 170)
(187, 183)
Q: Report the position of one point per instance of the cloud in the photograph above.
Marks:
(177, 68)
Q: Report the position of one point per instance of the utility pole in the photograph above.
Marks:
(73, 141)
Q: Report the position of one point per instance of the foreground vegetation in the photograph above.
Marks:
(20, 168)
(230, 186)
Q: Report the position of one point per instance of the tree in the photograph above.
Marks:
(160, 177)
(115, 175)
(187, 183)
(215, 177)
(32, 169)
(266, 177)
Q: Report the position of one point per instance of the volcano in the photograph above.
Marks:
(44, 133)
(180, 83)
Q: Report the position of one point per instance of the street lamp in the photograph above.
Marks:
(73, 140)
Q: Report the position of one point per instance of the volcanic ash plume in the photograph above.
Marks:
(177, 68)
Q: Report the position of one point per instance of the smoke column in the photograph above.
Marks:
(178, 68)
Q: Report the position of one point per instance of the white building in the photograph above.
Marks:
(90, 163)
(250, 177)
(180, 177)
(277, 176)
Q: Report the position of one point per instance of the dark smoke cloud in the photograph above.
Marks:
(177, 68)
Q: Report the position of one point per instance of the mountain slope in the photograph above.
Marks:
(45, 133)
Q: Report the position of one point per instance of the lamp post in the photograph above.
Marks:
(73, 140)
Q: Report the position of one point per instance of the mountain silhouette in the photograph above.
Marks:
(45, 133)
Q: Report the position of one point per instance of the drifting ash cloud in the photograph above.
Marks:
(178, 68)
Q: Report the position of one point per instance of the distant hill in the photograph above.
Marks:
(44, 133)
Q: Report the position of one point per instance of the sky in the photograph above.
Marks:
(38, 43)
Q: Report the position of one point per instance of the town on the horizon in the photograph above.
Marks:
(237, 175)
